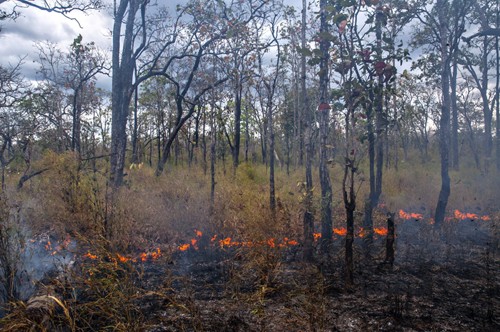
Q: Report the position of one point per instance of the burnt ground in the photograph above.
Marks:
(440, 281)
(449, 284)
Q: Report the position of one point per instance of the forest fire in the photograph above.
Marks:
(229, 242)
(59, 247)
(340, 231)
(457, 215)
(382, 231)
(142, 257)
(472, 216)
(408, 216)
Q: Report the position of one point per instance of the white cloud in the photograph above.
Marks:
(18, 37)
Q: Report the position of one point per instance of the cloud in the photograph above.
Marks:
(17, 38)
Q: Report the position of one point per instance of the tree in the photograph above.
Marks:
(444, 24)
(11, 122)
(308, 218)
(324, 117)
(269, 82)
(63, 7)
(164, 46)
(84, 63)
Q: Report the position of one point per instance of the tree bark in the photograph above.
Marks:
(123, 69)
(454, 109)
(324, 116)
(237, 124)
(444, 123)
(497, 86)
(308, 219)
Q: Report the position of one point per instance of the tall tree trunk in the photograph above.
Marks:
(237, 125)
(76, 128)
(272, 196)
(444, 122)
(324, 116)
(308, 220)
(213, 156)
(375, 139)
(497, 86)
(349, 199)
(487, 111)
(135, 128)
(247, 133)
(454, 109)
(123, 69)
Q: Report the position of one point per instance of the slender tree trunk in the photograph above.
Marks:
(272, 195)
(454, 109)
(123, 69)
(444, 123)
(487, 111)
(247, 134)
(497, 113)
(135, 129)
(308, 220)
(349, 201)
(204, 143)
(324, 116)
(237, 125)
(76, 128)
(376, 143)
(213, 156)
(368, 214)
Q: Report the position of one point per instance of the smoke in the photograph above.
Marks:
(43, 258)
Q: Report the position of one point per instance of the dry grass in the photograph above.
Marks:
(150, 212)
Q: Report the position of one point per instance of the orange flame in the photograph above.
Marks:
(271, 243)
(89, 255)
(340, 231)
(407, 216)
(184, 247)
(380, 231)
(122, 259)
(225, 242)
(462, 216)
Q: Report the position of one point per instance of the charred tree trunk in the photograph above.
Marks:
(389, 242)
(350, 207)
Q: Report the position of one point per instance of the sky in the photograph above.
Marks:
(18, 37)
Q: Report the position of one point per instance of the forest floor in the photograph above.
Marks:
(171, 279)
(431, 288)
